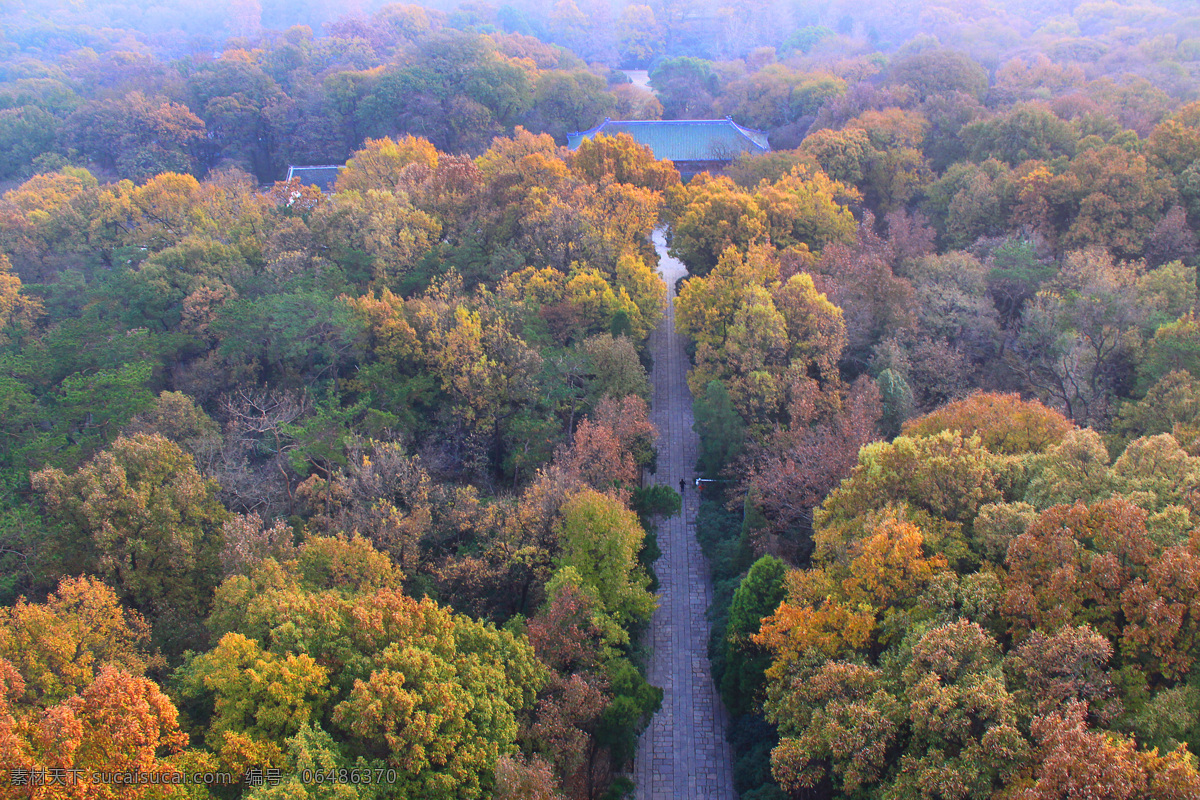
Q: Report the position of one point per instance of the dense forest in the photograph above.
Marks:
(354, 484)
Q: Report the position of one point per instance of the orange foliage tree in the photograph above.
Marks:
(1004, 422)
(73, 699)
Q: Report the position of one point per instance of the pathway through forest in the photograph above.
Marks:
(683, 754)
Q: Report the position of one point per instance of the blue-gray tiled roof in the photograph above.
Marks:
(684, 139)
(323, 177)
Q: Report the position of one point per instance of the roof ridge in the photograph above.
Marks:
(746, 132)
(668, 121)
(609, 121)
(744, 128)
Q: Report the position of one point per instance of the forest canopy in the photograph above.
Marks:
(360, 479)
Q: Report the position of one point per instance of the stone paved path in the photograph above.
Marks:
(683, 753)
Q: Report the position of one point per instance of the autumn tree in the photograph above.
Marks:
(260, 699)
(847, 604)
(568, 639)
(521, 779)
(707, 303)
(59, 646)
(1124, 199)
(972, 200)
(1077, 337)
(623, 160)
(403, 684)
(791, 472)
(1004, 422)
(601, 540)
(18, 312)
(859, 279)
(948, 476)
(74, 696)
(485, 371)
(775, 96)
(247, 541)
(758, 336)
(803, 210)
(641, 35)
(955, 308)
(964, 733)
(1077, 468)
(382, 494)
(1108, 197)
(1055, 578)
(118, 724)
(381, 223)
(1073, 759)
(141, 515)
(44, 225)
(840, 723)
(1054, 671)
(385, 164)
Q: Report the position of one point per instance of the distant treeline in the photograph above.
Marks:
(107, 89)
(291, 98)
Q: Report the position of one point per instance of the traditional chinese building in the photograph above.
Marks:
(322, 177)
(694, 145)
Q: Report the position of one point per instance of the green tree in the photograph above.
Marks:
(616, 370)
(601, 540)
(640, 35)
(940, 71)
(1172, 405)
(1078, 336)
(138, 136)
(140, 515)
(897, 398)
(564, 102)
(25, 133)
(687, 87)
(721, 429)
(287, 338)
(457, 91)
(1174, 348)
(1026, 133)
(258, 699)
(757, 596)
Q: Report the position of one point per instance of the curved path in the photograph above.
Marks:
(683, 753)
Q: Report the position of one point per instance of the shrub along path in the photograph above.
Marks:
(683, 753)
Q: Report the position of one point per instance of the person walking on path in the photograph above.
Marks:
(682, 484)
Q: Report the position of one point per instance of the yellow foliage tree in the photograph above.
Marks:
(386, 164)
